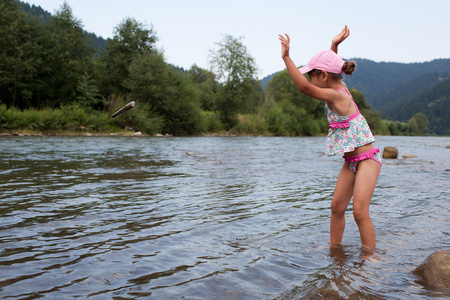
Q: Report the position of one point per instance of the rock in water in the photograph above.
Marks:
(390, 152)
(435, 270)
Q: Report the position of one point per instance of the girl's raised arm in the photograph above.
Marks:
(300, 81)
(339, 39)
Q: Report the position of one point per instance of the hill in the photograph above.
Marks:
(43, 17)
(37, 12)
(374, 79)
(433, 101)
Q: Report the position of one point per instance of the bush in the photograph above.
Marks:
(141, 118)
(67, 118)
(275, 119)
(11, 118)
(210, 122)
(250, 125)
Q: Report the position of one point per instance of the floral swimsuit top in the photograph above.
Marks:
(346, 133)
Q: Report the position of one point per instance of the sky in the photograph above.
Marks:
(384, 30)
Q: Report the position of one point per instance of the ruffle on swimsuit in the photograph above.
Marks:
(363, 156)
(344, 123)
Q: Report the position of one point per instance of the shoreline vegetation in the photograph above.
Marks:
(74, 120)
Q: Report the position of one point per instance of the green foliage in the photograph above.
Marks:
(131, 39)
(141, 118)
(211, 122)
(171, 94)
(69, 56)
(390, 127)
(232, 61)
(20, 59)
(228, 104)
(35, 12)
(250, 124)
(234, 65)
(207, 85)
(433, 102)
(180, 108)
(148, 79)
(71, 118)
(87, 91)
(418, 124)
(290, 112)
(277, 122)
(281, 88)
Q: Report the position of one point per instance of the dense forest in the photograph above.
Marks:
(55, 77)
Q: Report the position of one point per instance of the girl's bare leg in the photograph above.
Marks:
(366, 179)
(342, 194)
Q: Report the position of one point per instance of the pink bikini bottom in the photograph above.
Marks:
(353, 161)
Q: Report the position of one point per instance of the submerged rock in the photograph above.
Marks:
(434, 271)
(409, 156)
(390, 152)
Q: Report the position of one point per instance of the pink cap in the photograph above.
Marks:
(325, 60)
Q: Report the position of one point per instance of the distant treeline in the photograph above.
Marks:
(54, 77)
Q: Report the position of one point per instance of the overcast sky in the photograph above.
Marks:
(383, 30)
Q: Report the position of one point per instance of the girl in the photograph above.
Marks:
(348, 134)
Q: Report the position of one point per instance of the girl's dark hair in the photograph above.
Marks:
(349, 67)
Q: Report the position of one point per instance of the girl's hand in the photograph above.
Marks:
(339, 38)
(284, 45)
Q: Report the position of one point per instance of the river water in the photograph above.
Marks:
(210, 218)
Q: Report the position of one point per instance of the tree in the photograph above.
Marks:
(290, 112)
(207, 85)
(131, 38)
(418, 124)
(169, 93)
(69, 58)
(372, 117)
(236, 68)
(20, 63)
(282, 88)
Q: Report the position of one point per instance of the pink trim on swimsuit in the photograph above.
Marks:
(363, 156)
(344, 123)
(353, 161)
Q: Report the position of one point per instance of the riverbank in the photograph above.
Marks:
(34, 134)
(106, 134)
(131, 134)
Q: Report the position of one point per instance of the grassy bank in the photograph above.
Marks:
(74, 120)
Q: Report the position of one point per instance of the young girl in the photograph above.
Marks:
(348, 134)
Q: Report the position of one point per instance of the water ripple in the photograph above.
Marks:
(202, 218)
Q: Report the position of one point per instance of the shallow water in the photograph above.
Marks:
(210, 218)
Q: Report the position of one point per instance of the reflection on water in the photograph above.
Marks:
(202, 218)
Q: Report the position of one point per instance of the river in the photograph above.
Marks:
(211, 218)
